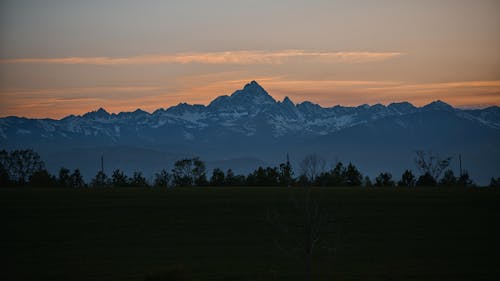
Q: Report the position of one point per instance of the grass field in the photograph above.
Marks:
(224, 234)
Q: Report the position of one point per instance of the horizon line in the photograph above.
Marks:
(149, 112)
(293, 89)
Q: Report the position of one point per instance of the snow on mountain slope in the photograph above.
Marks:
(248, 112)
(251, 124)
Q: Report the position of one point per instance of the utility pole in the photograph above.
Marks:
(102, 164)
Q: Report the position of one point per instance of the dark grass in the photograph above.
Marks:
(224, 234)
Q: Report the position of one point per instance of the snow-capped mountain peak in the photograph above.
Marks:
(101, 113)
(402, 107)
(253, 93)
(438, 105)
(247, 111)
(251, 122)
(288, 102)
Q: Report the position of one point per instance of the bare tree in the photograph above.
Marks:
(300, 234)
(313, 222)
(312, 166)
(431, 163)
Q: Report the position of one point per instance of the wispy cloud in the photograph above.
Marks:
(228, 57)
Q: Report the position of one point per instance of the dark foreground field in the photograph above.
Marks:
(224, 234)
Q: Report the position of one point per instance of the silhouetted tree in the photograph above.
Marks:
(426, 180)
(100, 180)
(407, 179)
(218, 178)
(138, 180)
(22, 164)
(352, 176)
(494, 182)
(188, 172)
(431, 163)
(448, 179)
(64, 179)
(234, 180)
(230, 179)
(76, 179)
(264, 177)
(4, 173)
(119, 179)
(312, 166)
(465, 180)
(42, 178)
(272, 176)
(384, 180)
(4, 158)
(199, 172)
(306, 234)
(338, 176)
(162, 179)
(183, 173)
(285, 174)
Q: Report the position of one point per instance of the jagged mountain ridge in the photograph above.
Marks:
(246, 112)
(251, 124)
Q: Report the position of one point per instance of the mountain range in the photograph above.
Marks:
(250, 128)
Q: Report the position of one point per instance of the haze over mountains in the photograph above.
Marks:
(250, 128)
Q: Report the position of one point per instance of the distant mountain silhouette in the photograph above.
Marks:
(249, 128)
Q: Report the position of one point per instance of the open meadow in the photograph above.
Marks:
(209, 233)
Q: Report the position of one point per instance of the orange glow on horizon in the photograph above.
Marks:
(58, 103)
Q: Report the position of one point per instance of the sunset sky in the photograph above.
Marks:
(61, 57)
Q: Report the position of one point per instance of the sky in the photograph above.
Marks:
(61, 57)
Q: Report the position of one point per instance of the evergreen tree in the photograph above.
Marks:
(162, 179)
(4, 176)
(407, 179)
(338, 175)
(119, 179)
(272, 176)
(285, 174)
(264, 177)
(138, 180)
(42, 178)
(448, 179)
(384, 180)
(64, 178)
(231, 179)
(352, 176)
(4, 172)
(218, 178)
(426, 180)
(100, 180)
(234, 180)
(76, 179)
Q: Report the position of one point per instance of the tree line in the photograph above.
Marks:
(26, 168)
